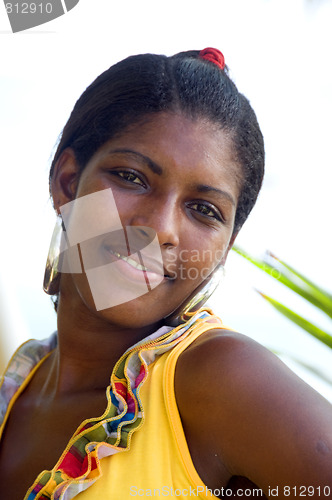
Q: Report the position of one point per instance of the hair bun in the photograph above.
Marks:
(214, 56)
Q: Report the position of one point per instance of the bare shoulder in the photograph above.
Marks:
(261, 414)
(236, 364)
(225, 357)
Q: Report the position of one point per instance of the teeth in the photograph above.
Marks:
(130, 261)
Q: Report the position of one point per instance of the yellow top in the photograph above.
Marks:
(158, 463)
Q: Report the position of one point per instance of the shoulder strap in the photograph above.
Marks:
(212, 323)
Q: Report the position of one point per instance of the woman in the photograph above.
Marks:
(157, 169)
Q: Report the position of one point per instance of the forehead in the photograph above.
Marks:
(192, 147)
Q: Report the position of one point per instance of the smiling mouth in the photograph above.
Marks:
(153, 266)
(130, 261)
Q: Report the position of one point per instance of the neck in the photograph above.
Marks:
(88, 348)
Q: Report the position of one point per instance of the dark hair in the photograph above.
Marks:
(149, 83)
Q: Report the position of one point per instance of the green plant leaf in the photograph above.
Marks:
(293, 280)
(314, 330)
(323, 294)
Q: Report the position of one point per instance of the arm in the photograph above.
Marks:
(267, 424)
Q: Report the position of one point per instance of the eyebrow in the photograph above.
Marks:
(154, 167)
(203, 188)
(157, 169)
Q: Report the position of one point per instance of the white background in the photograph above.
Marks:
(279, 54)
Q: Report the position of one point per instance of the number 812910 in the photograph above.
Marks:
(307, 491)
(29, 8)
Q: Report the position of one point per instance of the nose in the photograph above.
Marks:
(162, 215)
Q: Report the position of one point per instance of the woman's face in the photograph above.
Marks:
(169, 176)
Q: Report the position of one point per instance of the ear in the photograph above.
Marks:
(229, 246)
(65, 179)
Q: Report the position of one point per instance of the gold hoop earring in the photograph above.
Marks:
(52, 275)
(198, 300)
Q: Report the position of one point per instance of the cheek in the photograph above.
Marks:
(201, 257)
(78, 288)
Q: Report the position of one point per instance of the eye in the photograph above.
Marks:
(129, 176)
(206, 210)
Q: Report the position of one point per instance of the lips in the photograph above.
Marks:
(151, 270)
(148, 260)
(152, 267)
(130, 261)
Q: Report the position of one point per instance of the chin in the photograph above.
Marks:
(147, 310)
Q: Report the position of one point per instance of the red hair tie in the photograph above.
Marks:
(214, 56)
